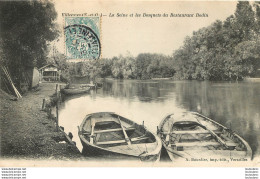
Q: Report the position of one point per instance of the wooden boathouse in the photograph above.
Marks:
(49, 73)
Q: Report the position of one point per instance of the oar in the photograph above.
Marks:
(93, 123)
(125, 134)
(167, 139)
(10, 81)
(218, 138)
(16, 91)
(214, 134)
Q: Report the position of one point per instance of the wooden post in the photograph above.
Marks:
(57, 88)
(59, 94)
(43, 104)
(57, 116)
(57, 107)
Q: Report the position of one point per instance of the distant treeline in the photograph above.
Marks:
(144, 66)
(228, 50)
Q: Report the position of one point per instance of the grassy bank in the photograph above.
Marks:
(28, 132)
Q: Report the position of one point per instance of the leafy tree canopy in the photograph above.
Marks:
(25, 29)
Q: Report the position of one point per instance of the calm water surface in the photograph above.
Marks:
(235, 105)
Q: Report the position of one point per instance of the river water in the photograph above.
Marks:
(235, 105)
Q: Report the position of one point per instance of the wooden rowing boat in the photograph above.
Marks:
(190, 136)
(112, 136)
(75, 90)
(93, 86)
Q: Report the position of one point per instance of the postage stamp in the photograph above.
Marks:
(82, 38)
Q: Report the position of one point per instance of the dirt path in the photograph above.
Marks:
(27, 132)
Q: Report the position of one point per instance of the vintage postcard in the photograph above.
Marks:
(132, 84)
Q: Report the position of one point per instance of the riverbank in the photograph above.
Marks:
(27, 132)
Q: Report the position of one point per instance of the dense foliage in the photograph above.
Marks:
(224, 50)
(144, 66)
(26, 27)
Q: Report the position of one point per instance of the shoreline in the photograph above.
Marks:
(27, 132)
(250, 80)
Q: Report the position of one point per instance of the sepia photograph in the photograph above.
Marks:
(129, 83)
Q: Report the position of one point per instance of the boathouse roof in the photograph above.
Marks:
(49, 65)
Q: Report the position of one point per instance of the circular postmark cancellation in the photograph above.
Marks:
(82, 42)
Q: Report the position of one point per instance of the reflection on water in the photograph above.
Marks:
(234, 105)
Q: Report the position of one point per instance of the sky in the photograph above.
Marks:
(134, 35)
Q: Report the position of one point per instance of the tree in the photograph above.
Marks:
(26, 28)
(257, 13)
(105, 68)
(247, 58)
(223, 50)
(245, 20)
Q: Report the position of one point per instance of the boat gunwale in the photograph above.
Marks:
(74, 91)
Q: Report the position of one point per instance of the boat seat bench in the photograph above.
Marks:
(121, 141)
(192, 132)
(203, 144)
(112, 130)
